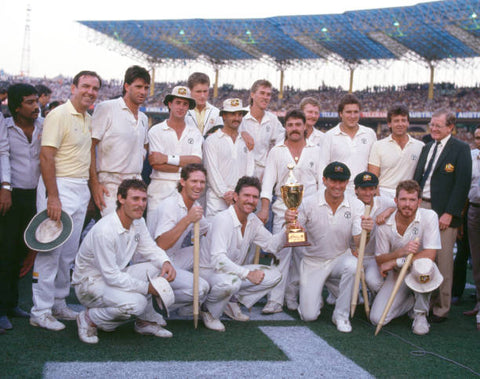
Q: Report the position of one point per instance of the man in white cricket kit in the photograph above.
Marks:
(64, 164)
(119, 139)
(171, 226)
(394, 158)
(173, 144)
(311, 108)
(349, 142)
(110, 276)
(226, 158)
(261, 128)
(225, 262)
(331, 219)
(305, 158)
(409, 230)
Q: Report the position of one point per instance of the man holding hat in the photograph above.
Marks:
(19, 173)
(331, 218)
(173, 144)
(381, 208)
(64, 163)
(410, 230)
(113, 268)
(226, 157)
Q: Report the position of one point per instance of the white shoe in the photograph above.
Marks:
(64, 313)
(47, 321)
(420, 324)
(86, 332)
(272, 307)
(235, 313)
(152, 329)
(292, 305)
(212, 323)
(343, 325)
(331, 299)
(158, 319)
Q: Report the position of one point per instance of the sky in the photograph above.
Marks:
(61, 46)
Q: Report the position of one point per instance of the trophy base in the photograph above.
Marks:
(296, 238)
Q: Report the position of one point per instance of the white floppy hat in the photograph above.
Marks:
(424, 276)
(44, 234)
(181, 92)
(166, 297)
(233, 105)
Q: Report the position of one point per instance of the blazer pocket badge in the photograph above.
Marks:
(449, 167)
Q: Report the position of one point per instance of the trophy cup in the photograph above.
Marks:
(292, 194)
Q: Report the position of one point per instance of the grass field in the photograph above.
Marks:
(395, 352)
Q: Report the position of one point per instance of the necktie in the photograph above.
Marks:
(429, 166)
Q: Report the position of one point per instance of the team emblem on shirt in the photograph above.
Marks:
(268, 128)
(414, 157)
(137, 237)
(449, 167)
(364, 141)
(245, 150)
(415, 231)
(311, 164)
(190, 141)
(347, 215)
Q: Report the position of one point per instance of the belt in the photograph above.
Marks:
(426, 200)
(476, 205)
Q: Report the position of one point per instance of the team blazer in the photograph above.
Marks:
(451, 177)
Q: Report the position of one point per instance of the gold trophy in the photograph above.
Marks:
(292, 194)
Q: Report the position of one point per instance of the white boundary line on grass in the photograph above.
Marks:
(309, 356)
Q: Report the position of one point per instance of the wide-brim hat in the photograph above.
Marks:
(233, 105)
(43, 234)
(337, 171)
(424, 276)
(166, 296)
(183, 93)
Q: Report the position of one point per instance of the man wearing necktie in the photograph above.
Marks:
(444, 172)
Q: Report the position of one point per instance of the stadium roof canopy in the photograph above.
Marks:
(428, 32)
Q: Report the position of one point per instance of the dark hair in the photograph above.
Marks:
(197, 78)
(257, 84)
(127, 184)
(449, 115)
(135, 72)
(16, 93)
(309, 100)
(397, 110)
(248, 181)
(77, 77)
(54, 104)
(295, 113)
(187, 170)
(43, 90)
(410, 186)
(349, 98)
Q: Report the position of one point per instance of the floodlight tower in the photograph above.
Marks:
(25, 62)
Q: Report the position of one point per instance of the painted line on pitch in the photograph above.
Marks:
(309, 356)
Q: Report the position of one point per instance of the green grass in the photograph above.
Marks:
(26, 349)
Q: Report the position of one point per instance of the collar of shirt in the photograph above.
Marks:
(10, 123)
(221, 134)
(72, 109)
(393, 223)
(443, 141)
(323, 203)
(249, 116)
(390, 139)
(360, 130)
(118, 224)
(308, 143)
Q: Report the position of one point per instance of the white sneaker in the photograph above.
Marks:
(272, 307)
(212, 323)
(158, 319)
(86, 332)
(235, 313)
(292, 305)
(152, 329)
(420, 324)
(64, 313)
(47, 321)
(343, 325)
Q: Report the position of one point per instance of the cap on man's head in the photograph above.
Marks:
(182, 93)
(233, 105)
(366, 179)
(336, 171)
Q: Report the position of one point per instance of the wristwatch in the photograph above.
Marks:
(8, 187)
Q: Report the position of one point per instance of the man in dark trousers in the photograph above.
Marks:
(443, 172)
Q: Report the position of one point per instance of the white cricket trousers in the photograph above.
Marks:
(315, 273)
(157, 191)
(404, 301)
(224, 286)
(51, 271)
